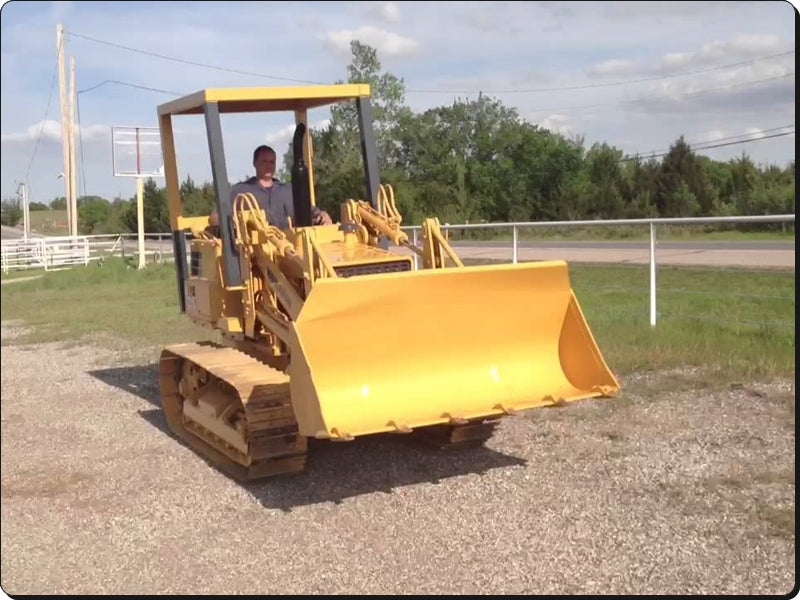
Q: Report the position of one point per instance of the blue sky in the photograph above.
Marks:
(743, 50)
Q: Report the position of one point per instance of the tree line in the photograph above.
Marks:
(478, 161)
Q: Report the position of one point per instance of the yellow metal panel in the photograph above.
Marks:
(316, 93)
(263, 99)
(195, 224)
(389, 351)
(183, 105)
(230, 324)
(170, 171)
(340, 253)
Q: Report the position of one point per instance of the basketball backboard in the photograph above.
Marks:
(136, 152)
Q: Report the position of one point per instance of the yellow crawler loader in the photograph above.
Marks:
(339, 331)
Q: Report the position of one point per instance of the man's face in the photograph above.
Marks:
(265, 163)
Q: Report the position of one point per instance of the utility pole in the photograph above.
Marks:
(73, 180)
(62, 85)
(140, 202)
(26, 215)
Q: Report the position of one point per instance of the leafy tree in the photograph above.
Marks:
(93, 211)
(476, 160)
(338, 165)
(608, 185)
(10, 212)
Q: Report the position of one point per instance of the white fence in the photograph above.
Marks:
(651, 223)
(53, 253)
(47, 253)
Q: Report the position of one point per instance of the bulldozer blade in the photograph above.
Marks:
(390, 351)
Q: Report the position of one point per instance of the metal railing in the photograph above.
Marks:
(65, 251)
(651, 223)
(47, 253)
(62, 252)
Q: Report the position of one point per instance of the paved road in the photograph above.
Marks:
(14, 233)
(741, 254)
(625, 245)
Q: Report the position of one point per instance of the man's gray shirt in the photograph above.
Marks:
(275, 200)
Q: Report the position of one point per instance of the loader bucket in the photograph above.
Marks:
(398, 351)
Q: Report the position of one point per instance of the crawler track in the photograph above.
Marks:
(231, 409)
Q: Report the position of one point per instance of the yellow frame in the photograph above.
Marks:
(297, 99)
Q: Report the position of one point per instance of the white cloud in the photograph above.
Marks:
(711, 54)
(284, 134)
(47, 129)
(614, 67)
(561, 124)
(677, 8)
(677, 59)
(386, 42)
(714, 134)
(755, 132)
(51, 130)
(385, 11)
(743, 44)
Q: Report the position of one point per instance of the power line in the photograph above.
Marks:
(729, 137)
(763, 137)
(80, 139)
(650, 98)
(539, 110)
(141, 87)
(708, 147)
(190, 62)
(425, 91)
(44, 120)
(611, 84)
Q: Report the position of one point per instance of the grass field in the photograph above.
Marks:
(737, 323)
(49, 222)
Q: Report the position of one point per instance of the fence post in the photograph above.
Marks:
(652, 274)
(514, 237)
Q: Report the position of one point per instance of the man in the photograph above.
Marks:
(274, 196)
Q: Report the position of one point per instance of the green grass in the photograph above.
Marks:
(737, 321)
(123, 306)
(49, 222)
(22, 273)
(734, 323)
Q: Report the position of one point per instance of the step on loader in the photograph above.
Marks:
(338, 331)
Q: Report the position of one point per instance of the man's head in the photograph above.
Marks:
(264, 161)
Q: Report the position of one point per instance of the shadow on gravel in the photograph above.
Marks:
(140, 380)
(335, 471)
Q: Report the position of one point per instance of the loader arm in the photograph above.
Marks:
(273, 256)
(386, 221)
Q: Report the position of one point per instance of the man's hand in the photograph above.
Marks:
(322, 218)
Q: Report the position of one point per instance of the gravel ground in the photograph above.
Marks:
(670, 493)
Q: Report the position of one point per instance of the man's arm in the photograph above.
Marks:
(320, 217)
